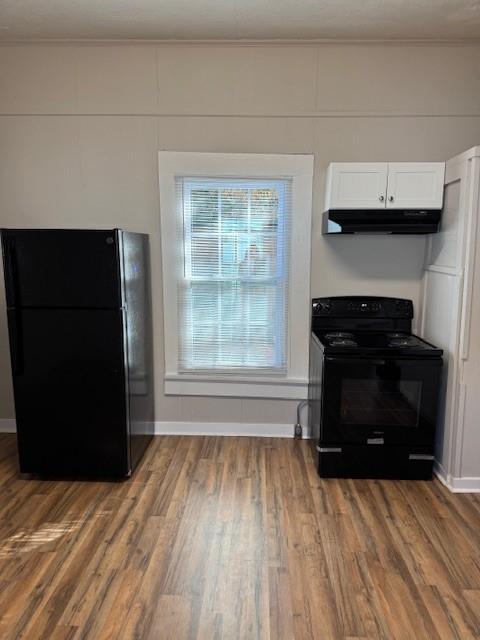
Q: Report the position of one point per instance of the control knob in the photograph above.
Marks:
(321, 307)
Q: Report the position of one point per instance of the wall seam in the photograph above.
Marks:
(293, 115)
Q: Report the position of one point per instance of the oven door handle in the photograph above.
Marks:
(370, 361)
(431, 362)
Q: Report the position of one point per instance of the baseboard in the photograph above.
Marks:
(7, 425)
(261, 430)
(265, 430)
(464, 485)
(456, 484)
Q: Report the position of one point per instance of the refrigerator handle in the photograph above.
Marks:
(14, 333)
(10, 272)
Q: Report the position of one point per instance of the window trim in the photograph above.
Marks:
(299, 168)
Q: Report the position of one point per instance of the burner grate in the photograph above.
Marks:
(342, 342)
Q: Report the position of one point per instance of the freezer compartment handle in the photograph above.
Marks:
(10, 271)
(14, 334)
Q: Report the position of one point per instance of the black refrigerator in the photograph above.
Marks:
(79, 322)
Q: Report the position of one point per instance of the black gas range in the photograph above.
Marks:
(373, 389)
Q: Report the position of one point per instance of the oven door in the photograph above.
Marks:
(380, 401)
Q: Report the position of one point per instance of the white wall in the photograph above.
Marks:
(80, 127)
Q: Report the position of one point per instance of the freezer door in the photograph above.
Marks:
(61, 268)
(69, 385)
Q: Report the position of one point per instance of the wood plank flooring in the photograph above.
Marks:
(235, 538)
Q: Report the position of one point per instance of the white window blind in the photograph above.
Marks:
(233, 290)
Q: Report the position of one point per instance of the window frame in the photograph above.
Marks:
(297, 168)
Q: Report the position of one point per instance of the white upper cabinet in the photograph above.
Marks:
(384, 185)
(356, 185)
(415, 185)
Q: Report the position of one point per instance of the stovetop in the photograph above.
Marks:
(368, 326)
(375, 343)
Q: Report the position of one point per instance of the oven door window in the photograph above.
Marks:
(392, 399)
(381, 402)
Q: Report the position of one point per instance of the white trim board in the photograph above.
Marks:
(260, 430)
(456, 484)
(299, 169)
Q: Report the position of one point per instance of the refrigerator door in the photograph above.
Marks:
(61, 268)
(69, 385)
(139, 343)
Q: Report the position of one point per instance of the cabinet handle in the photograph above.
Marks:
(391, 198)
(381, 198)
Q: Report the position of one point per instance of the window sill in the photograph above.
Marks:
(190, 385)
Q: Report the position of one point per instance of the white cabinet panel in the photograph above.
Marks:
(414, 185)
(441, 295)
(445, 245)
(353, 185)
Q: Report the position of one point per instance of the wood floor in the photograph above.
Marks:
(235, 538)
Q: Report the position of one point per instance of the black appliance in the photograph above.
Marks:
(382, 222)
(373, 389)
(79, 322)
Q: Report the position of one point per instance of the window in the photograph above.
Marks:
(234, 291)
(229, 225)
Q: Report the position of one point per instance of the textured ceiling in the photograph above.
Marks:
(239, 19)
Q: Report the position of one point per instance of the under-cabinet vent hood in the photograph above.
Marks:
(383, 197)
(388, 221)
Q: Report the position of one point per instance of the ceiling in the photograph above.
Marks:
(239, 19)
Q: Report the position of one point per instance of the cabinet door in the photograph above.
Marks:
(415, 185)
(356, 185)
